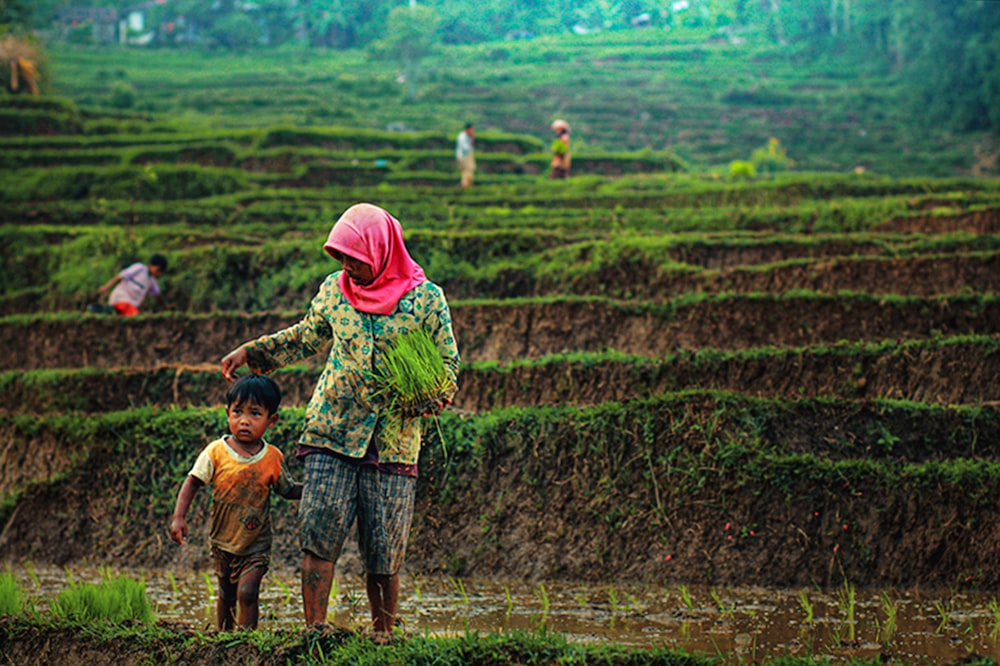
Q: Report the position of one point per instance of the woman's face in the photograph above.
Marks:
(358, 271)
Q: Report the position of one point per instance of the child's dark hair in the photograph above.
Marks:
(158, 260)
(258, 389)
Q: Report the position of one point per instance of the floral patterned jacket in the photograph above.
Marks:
(343, 414)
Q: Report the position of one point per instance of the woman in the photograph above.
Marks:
(351, 471)
(560, 149)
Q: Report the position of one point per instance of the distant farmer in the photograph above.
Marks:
(464, 154)
(242, 469)
(131, 286)
(356, 467)
(560, 149)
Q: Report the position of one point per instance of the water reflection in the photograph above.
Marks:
(740, 624)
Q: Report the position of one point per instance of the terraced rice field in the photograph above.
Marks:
(670, 378)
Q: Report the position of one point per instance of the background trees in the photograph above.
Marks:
(949, 52)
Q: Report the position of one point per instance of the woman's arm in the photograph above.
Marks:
(295, 343)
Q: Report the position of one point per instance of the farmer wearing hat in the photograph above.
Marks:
(560, 149)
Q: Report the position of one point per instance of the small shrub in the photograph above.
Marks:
(122, 95)
(742, 170)
(772, 158)
(236, 31)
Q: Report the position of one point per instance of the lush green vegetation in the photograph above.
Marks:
(925, 45)
(766, 298)
(116, 598)
(11, 598)
(541, 648)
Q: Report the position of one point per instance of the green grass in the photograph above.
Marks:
(536, 648)
(116, 599)
(11, 598)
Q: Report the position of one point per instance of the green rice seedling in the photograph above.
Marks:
(686, 597)
(173, 582)
(613, 598)
(415, 377)
(460, 588)
(210, 590)
(115, 599)
(581, 598)
(334, 590)
(418, 590)
(543, 598)
(724, 610)
(806, 606)
(35, 580)
(945, 614)
(10, 594)
(887, 629)
(846, 602)
(510, 601)
(994, 608)
(286, 589)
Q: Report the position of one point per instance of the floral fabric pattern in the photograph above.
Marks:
(344, 414)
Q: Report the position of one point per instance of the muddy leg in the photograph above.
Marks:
(317, 578)
(383, 597)
(248, 594)
(225, 605)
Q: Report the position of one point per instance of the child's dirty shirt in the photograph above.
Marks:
(343, 414)
(241, 488)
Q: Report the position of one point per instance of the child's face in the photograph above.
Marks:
(248, 421)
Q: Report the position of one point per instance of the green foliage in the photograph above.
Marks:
(162, 183)
(742, 170)
(116, 599)
(679, 111)
(236, 31)
(122, 95)
(11, 598)
(771, 159)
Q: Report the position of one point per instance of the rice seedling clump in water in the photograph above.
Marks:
(10, 594)
(115, 599)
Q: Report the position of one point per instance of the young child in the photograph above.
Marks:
(242, 469)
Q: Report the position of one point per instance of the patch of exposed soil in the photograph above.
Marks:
(555, 501)
(505, 332)
(965, 371)
(976, 222)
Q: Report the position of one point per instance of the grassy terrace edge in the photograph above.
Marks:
(850, 370)
(637, 480)
(22, 638)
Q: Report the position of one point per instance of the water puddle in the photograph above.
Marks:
(741, 624)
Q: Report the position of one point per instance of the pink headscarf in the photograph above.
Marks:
(370, 234)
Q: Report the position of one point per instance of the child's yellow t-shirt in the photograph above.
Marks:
(241, 490)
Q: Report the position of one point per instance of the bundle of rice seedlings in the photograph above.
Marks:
(415, 377)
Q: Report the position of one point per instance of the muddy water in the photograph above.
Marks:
(738, 624)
